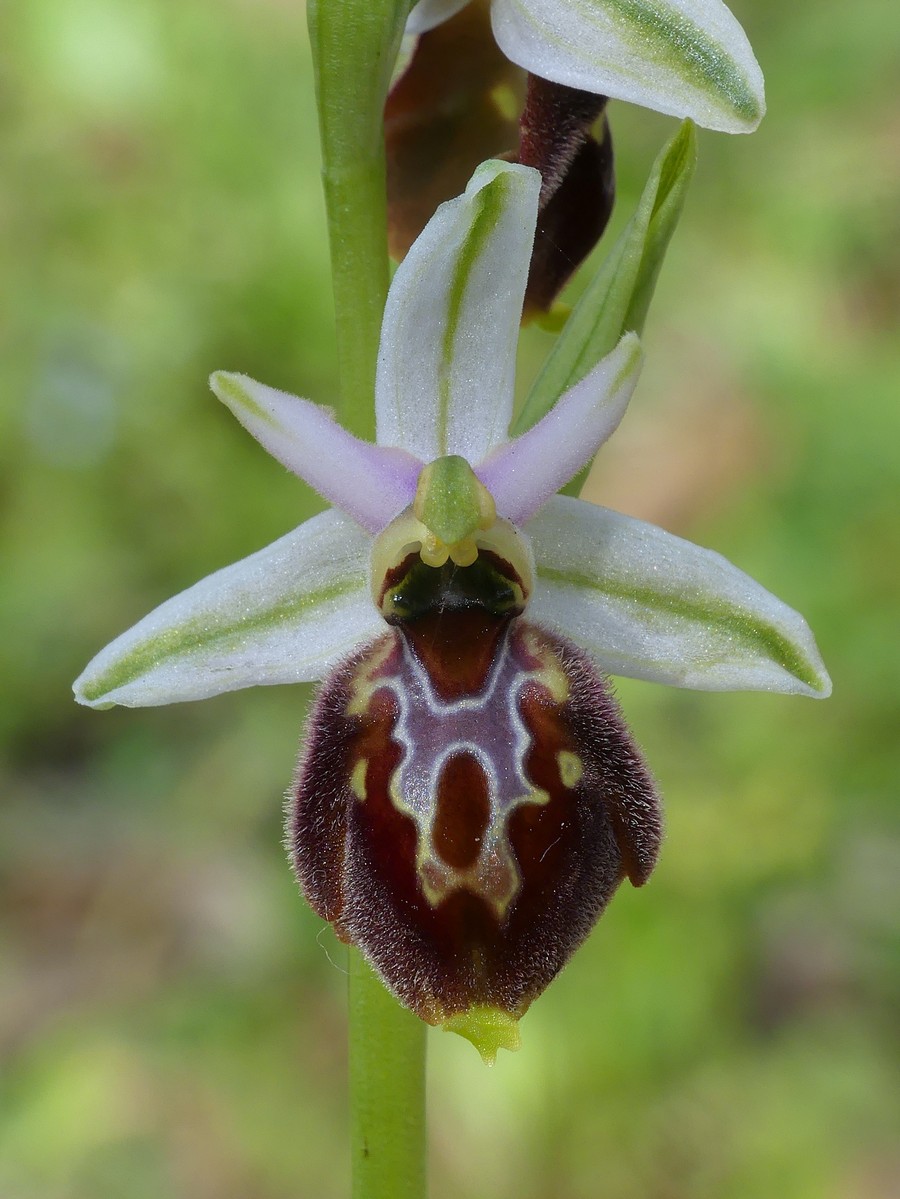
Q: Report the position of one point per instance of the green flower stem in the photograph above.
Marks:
(387, 1091)
(354, 48)
(355, 45)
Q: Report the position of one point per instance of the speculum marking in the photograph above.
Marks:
(463, 766)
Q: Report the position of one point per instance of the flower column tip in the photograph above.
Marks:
(453, 505)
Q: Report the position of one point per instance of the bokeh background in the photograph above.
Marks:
(171, 1015)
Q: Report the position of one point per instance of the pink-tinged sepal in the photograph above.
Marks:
(468, 801)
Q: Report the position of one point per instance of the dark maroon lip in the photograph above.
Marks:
(468, 802)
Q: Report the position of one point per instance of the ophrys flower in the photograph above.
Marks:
(469, 797)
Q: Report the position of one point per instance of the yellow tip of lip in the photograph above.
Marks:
(488, 1029)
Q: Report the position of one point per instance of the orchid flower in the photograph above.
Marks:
(687, 58)
(469, 797)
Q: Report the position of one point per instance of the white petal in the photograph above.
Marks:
(689, 58)
(649, 605)
(451, 324)
(428, 13)
(286, 614)
(524, 473)
(370, 484)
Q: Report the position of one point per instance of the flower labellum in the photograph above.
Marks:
(468, 798)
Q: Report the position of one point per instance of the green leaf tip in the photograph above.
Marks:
(488, 1029)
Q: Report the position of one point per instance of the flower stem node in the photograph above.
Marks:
(489, 1030)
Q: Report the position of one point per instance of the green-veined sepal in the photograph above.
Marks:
(648, 605)
(284, 615)
(689, 58)
(446, 367)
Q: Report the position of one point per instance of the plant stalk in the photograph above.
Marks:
(354, 46)
(387, 1091)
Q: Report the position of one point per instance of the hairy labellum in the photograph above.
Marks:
(469, 797)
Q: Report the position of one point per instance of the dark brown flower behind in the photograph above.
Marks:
(461, 101)
(454, 106)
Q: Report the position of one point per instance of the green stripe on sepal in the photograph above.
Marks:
(714, 613)
(446, 370)
(489, 204)
(283, 615)
(197, 635)
(647, 604)
(665, 35)
(688, 58)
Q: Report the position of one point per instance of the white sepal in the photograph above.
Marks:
(648, 605)
(451, 324)
(689, 58)
(286, 614)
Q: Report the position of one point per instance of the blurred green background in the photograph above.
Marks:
(171, 1015)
